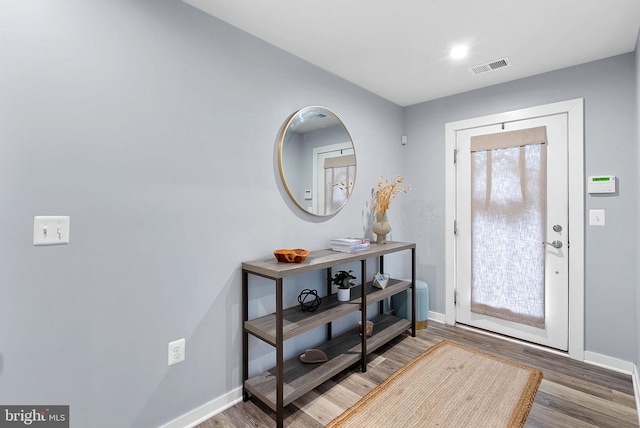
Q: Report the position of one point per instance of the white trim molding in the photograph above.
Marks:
(575, 114)
(437, 317)
(636, 388)
(207, 410)
(609, 363)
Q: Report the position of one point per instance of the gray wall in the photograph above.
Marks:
(154, 126)
(611, 147)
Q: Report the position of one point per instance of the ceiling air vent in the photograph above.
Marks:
(490, 66)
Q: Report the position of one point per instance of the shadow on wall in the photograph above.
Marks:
(212, 366)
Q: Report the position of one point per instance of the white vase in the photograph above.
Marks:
(344, 294)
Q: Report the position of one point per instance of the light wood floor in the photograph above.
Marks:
(572, 394)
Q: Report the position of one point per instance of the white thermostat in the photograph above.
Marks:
(602, 184)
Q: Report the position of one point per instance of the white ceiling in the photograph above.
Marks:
(399, 49)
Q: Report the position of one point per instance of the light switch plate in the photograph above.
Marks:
(51, 230)
(596, 217)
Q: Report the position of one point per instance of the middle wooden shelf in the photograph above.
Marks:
(296, 322)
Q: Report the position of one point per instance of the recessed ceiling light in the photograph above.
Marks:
(459, 51)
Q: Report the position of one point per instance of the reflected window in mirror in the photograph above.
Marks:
(338, 171)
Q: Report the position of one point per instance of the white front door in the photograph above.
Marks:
(512, 273)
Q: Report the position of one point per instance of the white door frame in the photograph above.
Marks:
(575, 113)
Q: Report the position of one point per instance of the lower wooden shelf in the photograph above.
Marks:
(343, 351)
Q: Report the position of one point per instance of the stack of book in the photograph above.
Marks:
(349, 245)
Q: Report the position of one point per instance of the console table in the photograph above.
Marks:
(291, 379)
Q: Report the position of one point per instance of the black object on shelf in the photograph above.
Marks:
(309, 300)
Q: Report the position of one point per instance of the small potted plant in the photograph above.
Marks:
(343, 279)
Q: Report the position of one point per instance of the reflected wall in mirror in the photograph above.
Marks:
(317, 160)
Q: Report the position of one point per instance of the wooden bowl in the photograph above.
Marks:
(291, 256)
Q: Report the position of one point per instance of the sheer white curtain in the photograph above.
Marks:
(339, 174)
(508, 216)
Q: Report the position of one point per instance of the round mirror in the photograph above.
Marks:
(317, 160)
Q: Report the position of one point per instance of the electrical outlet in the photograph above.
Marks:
(176, 351)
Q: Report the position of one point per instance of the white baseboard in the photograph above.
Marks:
(636, 389)
(207, 410)
(435, 316)
(610, 363)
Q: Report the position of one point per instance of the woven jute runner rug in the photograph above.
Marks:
(449, 385)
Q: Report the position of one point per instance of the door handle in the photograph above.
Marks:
(554, 244)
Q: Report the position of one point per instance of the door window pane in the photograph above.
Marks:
(508, 231)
